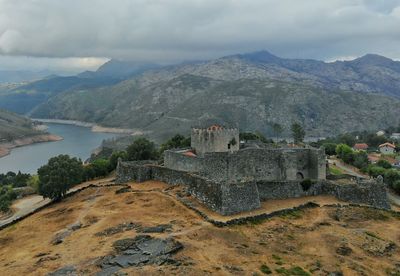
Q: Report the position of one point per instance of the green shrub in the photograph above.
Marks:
(34, 182)
(396, 186)
(7, 195)
(14, 179)
(360, 159)
(4, 205)
(330, 148)
(89, 172)
(384, 164)
(178, 141)
(345, 153)
(391, 176)
(265, 269)
(114, 159)
(375, 171)
(296, 271)
(306, 184)
(101, 167)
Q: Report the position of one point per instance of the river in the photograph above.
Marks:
(78, 142)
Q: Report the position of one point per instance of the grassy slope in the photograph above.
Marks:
(13, 126)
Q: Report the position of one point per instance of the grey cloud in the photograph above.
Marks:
(176, 30)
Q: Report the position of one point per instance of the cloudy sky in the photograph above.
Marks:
(76, 35)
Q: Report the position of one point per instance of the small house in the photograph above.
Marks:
(387, 148)
(395, 136)
(360, 146)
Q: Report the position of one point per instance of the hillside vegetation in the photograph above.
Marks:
(172, 106)
(13, 126)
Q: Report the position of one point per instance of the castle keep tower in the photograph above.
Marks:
(215, 139)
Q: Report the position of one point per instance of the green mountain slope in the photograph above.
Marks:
(13, 126)
(166, 107)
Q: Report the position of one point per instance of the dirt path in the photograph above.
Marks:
(28, 204)
(345, 168)
(24, 206)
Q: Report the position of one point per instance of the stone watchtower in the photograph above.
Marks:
(215, 139)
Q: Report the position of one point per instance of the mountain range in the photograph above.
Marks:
(253, 91)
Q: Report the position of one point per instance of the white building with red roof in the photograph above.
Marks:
(387, 148)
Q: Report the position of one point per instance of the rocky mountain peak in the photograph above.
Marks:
(373, 59)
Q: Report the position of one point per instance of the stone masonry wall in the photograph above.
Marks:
(230, 197)
(217, 140)
(253, 164)
(265, 165)
(239, 197)
(286, 189)
(133, 171)
(177, 161)
(363, 192)
(224, 199)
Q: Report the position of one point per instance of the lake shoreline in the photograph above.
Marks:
(76, 142)
(94, 127)
(6, 148)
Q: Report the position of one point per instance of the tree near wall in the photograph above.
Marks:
(298, 133)
(345, 153)
(114, 158)
(59, 175)
(330, 148)
(178, 141)
(142, 149)
(278, 129)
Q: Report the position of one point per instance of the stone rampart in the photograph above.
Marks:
(133, 171)
(258, 164)
(362, 192)
(223, 198)
(177, 161)
(239, 197)
(230, 197)
(287, 189)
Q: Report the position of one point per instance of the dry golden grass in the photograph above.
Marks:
(308, 239)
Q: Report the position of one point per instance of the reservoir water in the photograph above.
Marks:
(78, 142)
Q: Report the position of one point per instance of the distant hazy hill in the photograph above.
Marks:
(254, 90)
(13, 126)
(119, 69)
(8, 76)
(24, 97)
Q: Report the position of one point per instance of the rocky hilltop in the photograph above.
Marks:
(256, 90)
(145, 229)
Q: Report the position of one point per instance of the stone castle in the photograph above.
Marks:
(231, 176)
